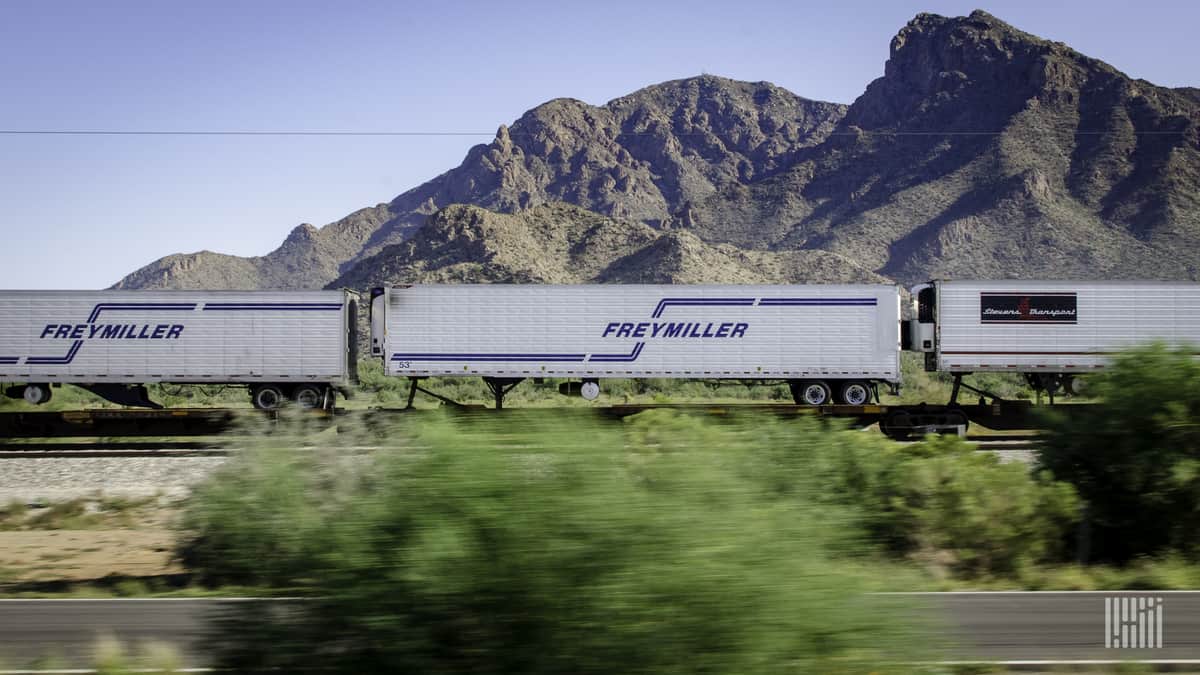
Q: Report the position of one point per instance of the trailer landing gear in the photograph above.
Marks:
(1052, 383)
(500, 386)
(959, 384)
(414, 385)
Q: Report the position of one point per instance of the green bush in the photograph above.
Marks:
(1134, 456)
(659, 546)
(950, 506)
(262, 521)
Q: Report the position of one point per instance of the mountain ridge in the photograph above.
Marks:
(981, 151)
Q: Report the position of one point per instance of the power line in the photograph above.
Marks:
(861, 132)
(97, 132)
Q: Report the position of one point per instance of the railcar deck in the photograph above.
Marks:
(898, 421)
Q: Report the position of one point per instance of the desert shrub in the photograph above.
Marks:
(656, 546)
(1134, 455)
(949, 505)
(262, 521)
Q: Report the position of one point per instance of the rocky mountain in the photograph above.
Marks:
(646, 157)
(564, 244)
(987, 152)
(308, 258)
(982, 151)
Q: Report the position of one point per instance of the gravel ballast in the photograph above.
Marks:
(62, 478)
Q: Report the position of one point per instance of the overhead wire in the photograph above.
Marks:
(856, 132)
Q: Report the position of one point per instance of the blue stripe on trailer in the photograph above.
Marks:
(57, 360)
(619, 358)
(272, 306)
(729, 302)
(819, 302)
(103, 306)
(488, 357)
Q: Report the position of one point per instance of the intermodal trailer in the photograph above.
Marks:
(827, 342)
(297, 346)
(1052, 331)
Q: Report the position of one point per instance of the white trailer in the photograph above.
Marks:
(297, 345)
(827, 342)
(1051, 331)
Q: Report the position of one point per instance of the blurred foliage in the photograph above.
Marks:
(1135, 455)
(111, 657)
(534, 544)
(955, 510)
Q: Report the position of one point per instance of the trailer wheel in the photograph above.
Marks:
(267, 397)
(810, 392)
(855, 392)
(589, 390)
(36, 394)
(309, 396)
(1075, 385)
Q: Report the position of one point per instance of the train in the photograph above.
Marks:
(831, 344)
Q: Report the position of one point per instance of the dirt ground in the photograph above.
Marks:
(78, 555)
(87, 539)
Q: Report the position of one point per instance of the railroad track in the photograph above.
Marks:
(996, 445)
(112, 449)
(125, 448)
(148, 449)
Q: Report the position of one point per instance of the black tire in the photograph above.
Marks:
(309, 396)
(36, 394)
(855, 392)
(811, 392)
(267, 397)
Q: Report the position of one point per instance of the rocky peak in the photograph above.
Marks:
(969, 70)
(302, 234)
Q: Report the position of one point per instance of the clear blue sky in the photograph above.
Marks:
(80, 212)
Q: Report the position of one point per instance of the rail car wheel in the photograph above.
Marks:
(267, 397)
(36, 394)
(810, 392)
(309, 396)
(896, 425)
(855, 392)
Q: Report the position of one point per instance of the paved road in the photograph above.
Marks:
(1006, 627)
(1057, 626)
(64, 632)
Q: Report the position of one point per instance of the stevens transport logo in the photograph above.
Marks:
(1028, 308)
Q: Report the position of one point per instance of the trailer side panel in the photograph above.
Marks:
(644, 331)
